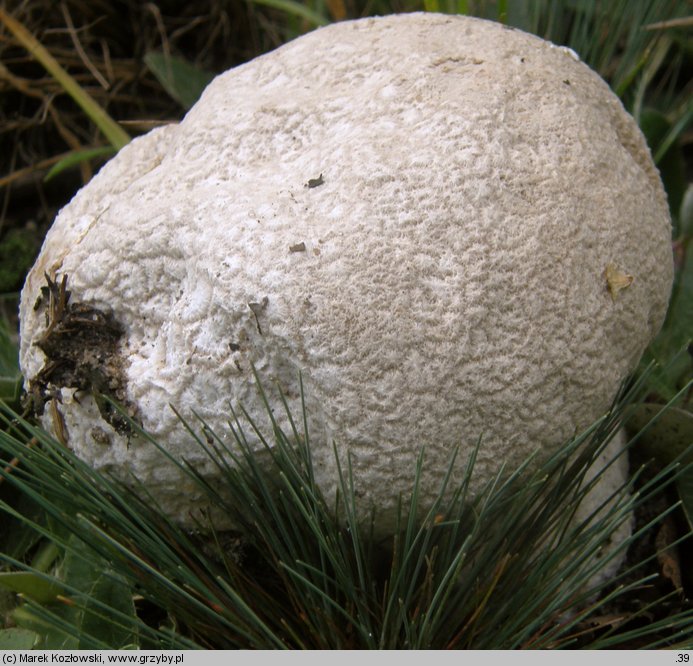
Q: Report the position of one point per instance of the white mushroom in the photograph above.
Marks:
(451, 228)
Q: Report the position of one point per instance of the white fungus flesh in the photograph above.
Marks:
(452, 229)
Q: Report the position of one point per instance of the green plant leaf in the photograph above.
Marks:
(50, 635)
(30, 585)
(686, 214)
(95, 608)
(182, 80)
(92, 575)
(17, 639)
(293, 8)
(76, 158)
(669, 437)
(46, 555)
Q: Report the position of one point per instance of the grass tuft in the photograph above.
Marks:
(508, 568)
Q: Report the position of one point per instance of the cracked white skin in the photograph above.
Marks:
(477, 183)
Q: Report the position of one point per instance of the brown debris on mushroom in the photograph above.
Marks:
(81, 347)
(616, 280)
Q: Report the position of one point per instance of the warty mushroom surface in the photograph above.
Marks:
(422, 214)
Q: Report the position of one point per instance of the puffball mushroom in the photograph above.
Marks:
(451, 228)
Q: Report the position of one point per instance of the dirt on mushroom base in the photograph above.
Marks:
(81, 344)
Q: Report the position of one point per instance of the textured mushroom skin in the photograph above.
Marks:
(415, 211)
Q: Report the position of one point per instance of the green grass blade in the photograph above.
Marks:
(297, 9)
(110, 129)
(76, 158)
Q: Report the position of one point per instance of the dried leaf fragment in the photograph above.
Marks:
(59, 427)
(667, 553)
(616, 280)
